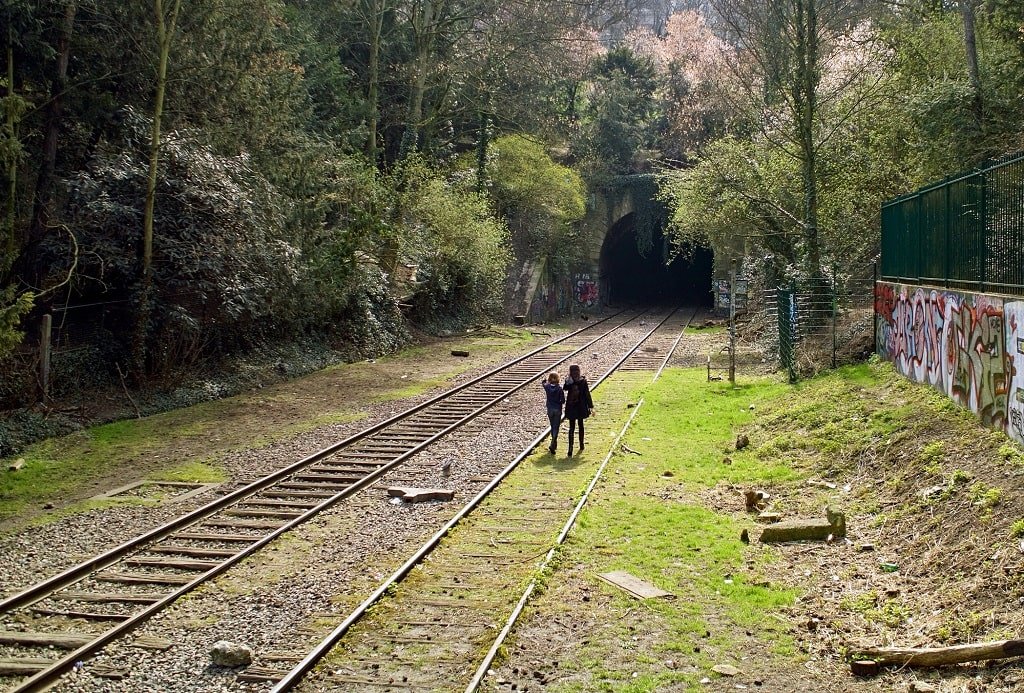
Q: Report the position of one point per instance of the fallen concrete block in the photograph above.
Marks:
(411, 494)
(796, 530)
(641, 589)
(834, 525)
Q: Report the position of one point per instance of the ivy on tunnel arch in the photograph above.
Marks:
(650, 213)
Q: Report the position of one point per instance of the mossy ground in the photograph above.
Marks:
(860, 438)
(932, 492)
(190, 444)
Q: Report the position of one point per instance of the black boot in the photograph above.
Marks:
(570, 449)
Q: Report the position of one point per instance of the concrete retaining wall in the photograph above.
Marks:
(968, 345)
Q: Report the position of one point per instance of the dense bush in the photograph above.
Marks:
(223, 275)
(460, 249)
(539, 198)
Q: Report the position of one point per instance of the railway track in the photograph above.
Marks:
(447, 618)
(656, 352)
(86, 607)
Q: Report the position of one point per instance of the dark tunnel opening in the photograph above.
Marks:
(627, 277)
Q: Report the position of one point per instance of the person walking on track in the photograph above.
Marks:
(578, 403)
(555, 400)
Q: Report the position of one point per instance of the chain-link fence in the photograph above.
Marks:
(820, 324)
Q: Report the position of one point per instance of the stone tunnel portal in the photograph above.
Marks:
(627, 277)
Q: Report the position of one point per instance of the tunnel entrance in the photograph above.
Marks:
(627, 277)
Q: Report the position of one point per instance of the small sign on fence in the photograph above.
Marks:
(724, 297)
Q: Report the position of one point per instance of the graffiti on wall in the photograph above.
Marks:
(585, 290)
(554, 295)
(551, 299)
(969, 346)
(1013, 316)
(911, 332)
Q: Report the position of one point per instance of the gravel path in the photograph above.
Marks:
(35, 553)
(287, 597)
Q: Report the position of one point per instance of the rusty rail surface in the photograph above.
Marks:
(295, 676)
(273, 505)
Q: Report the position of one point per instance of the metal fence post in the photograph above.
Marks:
(835, 301)
(918, 215)
(874, 307)
(785, 301)
(949, 245)
(732, 323)
(984, 229)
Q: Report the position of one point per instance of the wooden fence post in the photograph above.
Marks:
(44, 354)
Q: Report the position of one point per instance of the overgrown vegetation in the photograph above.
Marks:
(924, 485)
(540, 198)
(343, 168)
(930, 558)
(822, 110)
(459, 249)
(193, 197)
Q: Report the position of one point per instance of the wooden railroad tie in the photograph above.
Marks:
(23, 667)
(64, 641)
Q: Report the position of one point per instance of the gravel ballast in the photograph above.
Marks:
(284, 599)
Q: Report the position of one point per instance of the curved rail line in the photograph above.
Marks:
(194, 548)
(292, 678)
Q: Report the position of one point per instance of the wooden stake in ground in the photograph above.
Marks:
(941, 656)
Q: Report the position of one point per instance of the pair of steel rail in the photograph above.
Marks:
(298, 673)
(203, 544)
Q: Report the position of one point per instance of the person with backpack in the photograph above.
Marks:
(555, 400)
(578, 403)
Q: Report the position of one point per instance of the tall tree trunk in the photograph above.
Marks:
(973, 74)
(165, 26)
(424, 42)
(483, 145)
(54, 116)
(570, 109)
(11, 125)
(373, 91)
(805, 99)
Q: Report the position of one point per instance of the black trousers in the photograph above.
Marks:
(572, 429)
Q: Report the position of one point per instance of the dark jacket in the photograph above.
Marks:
(578, 402)
(556, 398)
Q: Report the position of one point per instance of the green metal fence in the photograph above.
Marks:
(965, 232)
(786, 305)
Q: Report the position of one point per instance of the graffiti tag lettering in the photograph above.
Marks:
(585, 290)
(956, 342)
